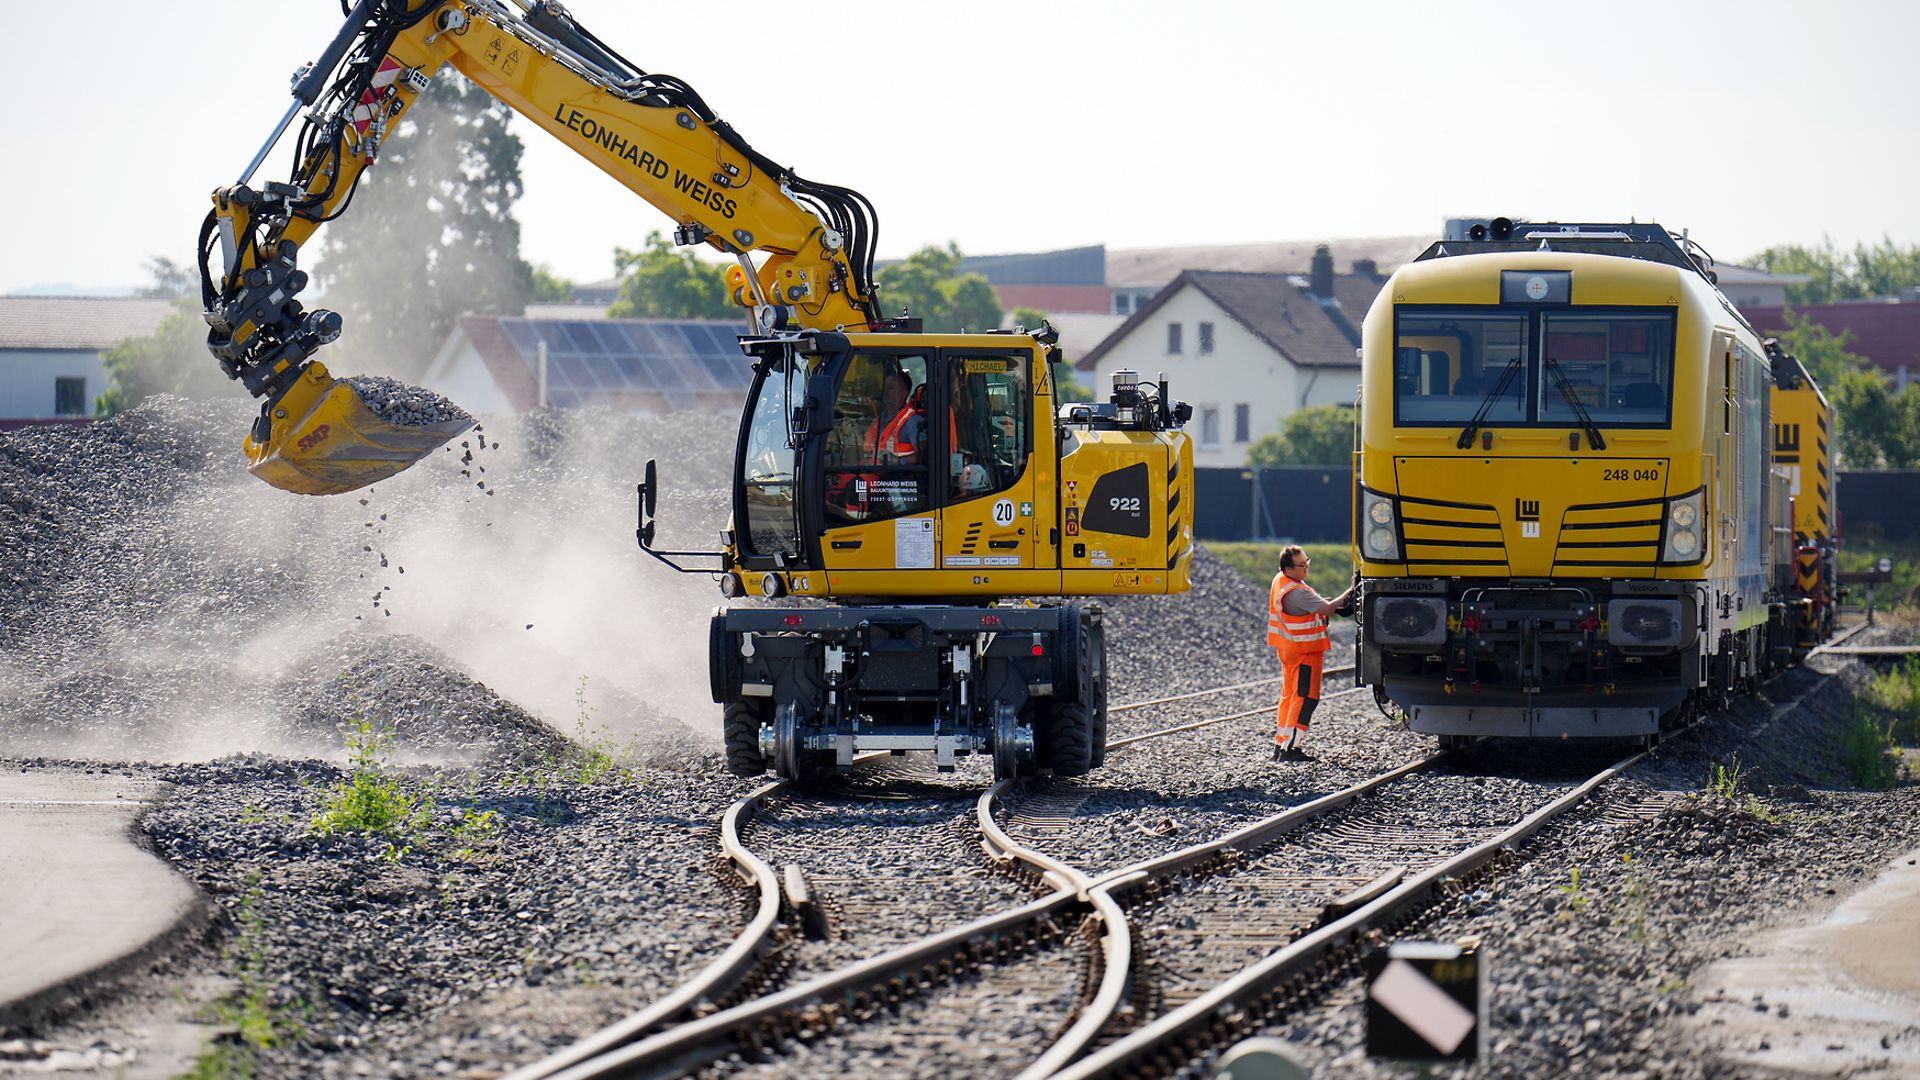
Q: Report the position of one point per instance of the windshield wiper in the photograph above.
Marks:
(1573, 401)
(1486, 405)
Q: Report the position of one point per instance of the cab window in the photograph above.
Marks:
(988, 406)
(876, 452)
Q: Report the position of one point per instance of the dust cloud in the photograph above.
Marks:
(161, 604)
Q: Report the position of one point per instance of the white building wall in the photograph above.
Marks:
(27, 379)
(459, 375)
(1241, 370)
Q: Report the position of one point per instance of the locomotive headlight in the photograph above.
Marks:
(1413, 621)
(1381, 540)
(772, 587)
(1683, 528)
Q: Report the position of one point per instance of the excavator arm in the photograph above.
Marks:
(650, 132)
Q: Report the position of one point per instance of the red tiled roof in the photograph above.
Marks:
(1887, 332)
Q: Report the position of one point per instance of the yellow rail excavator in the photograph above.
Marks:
(929, 493)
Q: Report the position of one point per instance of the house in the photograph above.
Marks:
(1245, 349)
(50, 352)
(493, 364)
(1886, 332)
(1069, 281)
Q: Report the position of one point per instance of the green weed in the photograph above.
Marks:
(373, 801)
(249, 1010)
(1576, 897)
(1867, 748)
(1636, 900)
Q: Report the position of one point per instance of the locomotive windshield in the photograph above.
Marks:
(1533, 368)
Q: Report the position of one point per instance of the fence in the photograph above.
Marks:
(1315, 504)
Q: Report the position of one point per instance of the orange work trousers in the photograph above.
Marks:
(1299, 693)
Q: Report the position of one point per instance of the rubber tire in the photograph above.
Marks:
(741, 724)
(1071, 749)
(1099, 727)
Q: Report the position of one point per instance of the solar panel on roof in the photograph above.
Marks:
(580, 337)
(673, 341)
(612, 336)
(666, 373)
(644, 341)
(611, 371)
(520, 334)
(568, 370)
(693, 370)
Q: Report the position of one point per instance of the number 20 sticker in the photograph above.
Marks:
(1003, 512)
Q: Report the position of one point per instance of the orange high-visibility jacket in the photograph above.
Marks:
(1293, 635)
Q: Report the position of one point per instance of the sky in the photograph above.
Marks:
(1010, 127)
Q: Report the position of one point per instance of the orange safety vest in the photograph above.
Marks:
(1293, 635)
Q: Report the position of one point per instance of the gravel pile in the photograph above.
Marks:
(405, 404)
(163, 604)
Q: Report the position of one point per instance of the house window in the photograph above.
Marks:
(1209, 428)
(1242, 423)
(1206, 338)
(1173, 339)
(70, 397)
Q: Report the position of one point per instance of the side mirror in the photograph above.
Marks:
(649, 485)
(813, 414)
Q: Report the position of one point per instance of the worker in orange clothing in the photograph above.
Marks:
(1297, 629)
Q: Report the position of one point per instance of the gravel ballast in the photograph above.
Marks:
(168, 615)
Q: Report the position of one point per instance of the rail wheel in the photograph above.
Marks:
(741, 725)
(1071, 750)
(791, 760)
(1012, 744)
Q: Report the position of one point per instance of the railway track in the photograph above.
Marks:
(1117, 1004)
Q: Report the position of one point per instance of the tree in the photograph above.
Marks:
(664, 282)
(171, 360)
(928, 285)
(549, 287)
(1884, 269)
(171, 280)
(1318, 435)
(430, 235)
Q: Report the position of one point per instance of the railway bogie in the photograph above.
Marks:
(809, 688)
(1571, 515)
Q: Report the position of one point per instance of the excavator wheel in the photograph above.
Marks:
(741, 726)
(1099, 721)
(1070, 750)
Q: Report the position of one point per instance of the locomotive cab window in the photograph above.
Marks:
(988, 407)
(1618, 367)
(876, 454)
(1448, 364)
(1537, 369)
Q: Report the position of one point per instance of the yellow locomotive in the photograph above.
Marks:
(1803, 443)
(1566, 501)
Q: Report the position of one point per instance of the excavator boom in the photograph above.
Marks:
(650, 132)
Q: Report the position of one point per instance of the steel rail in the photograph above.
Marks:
(1115, 744)
(720, 977)
(1366, 909)
(1131, 705)
(713, 981)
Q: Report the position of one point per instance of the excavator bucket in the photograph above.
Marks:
(323, 438)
